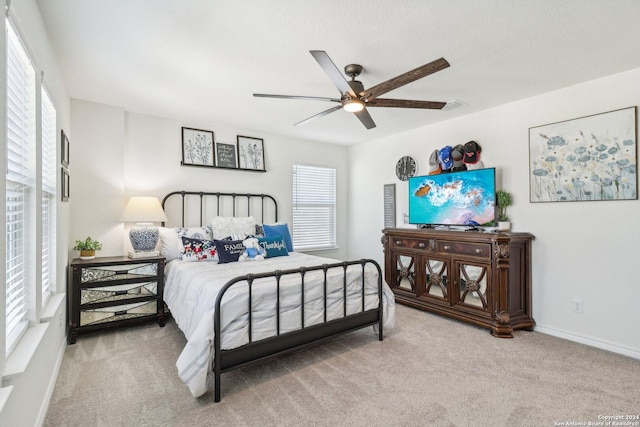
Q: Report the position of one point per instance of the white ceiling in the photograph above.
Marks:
(200, 61)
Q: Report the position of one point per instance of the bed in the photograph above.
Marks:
(233, 313)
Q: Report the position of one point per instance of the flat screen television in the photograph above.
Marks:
(463, 198)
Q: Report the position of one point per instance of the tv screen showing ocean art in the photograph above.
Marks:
(465, 198)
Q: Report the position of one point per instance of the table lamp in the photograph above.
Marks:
(144, 211)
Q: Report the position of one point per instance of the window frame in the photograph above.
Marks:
(314, 205)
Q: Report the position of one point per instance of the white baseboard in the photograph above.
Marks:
(52, 383)
(626, 351)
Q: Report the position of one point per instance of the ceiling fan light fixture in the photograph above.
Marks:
(353, 105)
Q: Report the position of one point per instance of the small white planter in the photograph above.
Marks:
(504, 225)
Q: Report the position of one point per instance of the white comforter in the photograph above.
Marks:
(191, 289)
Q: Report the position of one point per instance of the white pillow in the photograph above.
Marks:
(171, 246)
(222, 227)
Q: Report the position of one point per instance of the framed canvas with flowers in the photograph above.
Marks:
(583, 159)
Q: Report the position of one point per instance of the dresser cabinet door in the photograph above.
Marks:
(404, 274)
(473, 290)
(437, 274)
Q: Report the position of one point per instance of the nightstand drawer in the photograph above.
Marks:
(118, 312)
(476, 249)
(117, 292)
(95, 274)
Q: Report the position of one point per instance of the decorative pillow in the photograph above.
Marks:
(273, 246)
(228, 250)
(170, 243)
(282, 230)
(202, 233)
(198, 250)
(229, 226)
(171, 246)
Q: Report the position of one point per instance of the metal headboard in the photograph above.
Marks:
(235, 198)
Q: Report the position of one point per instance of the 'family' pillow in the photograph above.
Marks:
(228, 250)
(273, 230)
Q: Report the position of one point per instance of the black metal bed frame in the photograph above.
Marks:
(226, 360)
(220, 196)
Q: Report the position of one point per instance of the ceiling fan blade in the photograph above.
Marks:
(365, 118)
(309, 98)
(332, 72)
(405, 103)
(324, 113)
(403, 79)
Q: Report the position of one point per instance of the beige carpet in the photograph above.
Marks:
(428, 371)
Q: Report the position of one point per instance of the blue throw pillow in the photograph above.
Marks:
(273, 246)
(279, 230)
(228, 250)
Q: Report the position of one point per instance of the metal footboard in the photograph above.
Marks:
(225, 360)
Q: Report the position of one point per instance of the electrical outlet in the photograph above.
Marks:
(577, 305)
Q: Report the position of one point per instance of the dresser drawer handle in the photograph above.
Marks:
(399, 242)
(421, 245)
(478, 251)
(446, 247)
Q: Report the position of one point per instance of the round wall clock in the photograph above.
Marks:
(406, 167)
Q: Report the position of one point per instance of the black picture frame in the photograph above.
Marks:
(198, 147)
(66, 184)
(250, 153)
(226, 156)
(64, 149)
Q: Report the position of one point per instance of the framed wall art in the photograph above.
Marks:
(251, 153)
(64, 149)
(226, 155)
(584, 159)
(65, 185)
(197, 147)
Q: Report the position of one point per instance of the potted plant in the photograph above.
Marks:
(87, 248)
(503, 199)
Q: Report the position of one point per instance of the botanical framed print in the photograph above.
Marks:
(583, 159)
(250, 153)
(64, 149)
(65, 185)
(197, 147)
(226, 155)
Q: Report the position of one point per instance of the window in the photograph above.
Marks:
(48, 250)
(314, 207)
(20, 182)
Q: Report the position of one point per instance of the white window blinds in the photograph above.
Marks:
(20, 181)
(314, 208)
(48, 250)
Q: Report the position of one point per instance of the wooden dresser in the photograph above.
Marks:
(483, 278)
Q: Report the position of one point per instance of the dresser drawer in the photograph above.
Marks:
(475, 249)
(409, 243)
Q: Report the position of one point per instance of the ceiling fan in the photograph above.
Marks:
(355, 98)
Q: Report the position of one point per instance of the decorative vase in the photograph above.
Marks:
(87, 254)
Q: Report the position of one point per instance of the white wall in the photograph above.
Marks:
(585, 250)
(117, 154)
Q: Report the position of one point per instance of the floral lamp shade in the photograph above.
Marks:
(144, 211)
